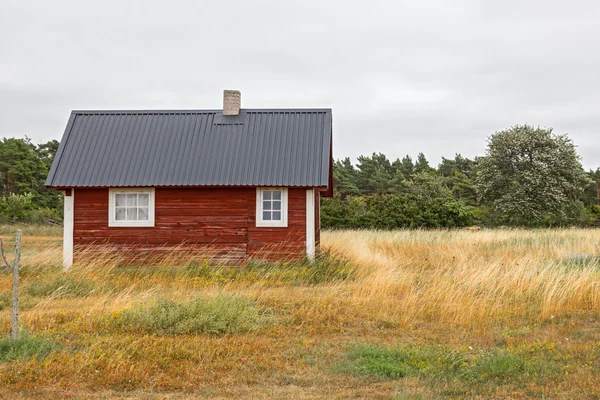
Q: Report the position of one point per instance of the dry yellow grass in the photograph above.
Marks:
(473, 278)
(465, 289)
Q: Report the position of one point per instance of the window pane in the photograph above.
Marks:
(131, 214)
(120, 214)
(132, 200)
(266, 195)
(276, 215)
(277, 195)
(266, 215)
(143, 214)
(120, 200)
(277, 205)
(143, 200)
(266, 205)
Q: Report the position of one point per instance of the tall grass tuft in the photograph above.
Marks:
(221, 314)
(326, 268)
(62, 285)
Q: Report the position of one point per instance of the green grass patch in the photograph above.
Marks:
(63, 285)
(441, 363)
(25, 348)
(217, 315)
(503, 365)
(400, 361)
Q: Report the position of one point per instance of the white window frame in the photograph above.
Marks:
(283, 223)
(112, 221)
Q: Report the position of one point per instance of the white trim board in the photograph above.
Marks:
(69, 205)
(310, 224)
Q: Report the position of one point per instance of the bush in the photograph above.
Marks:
(407, 210)
(61, 286)
(217, 315)
(23, 209)
(15, 208)
(25, 348)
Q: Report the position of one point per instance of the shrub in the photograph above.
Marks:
(221, 314)
(61, 286)
(25, 348)
(395, 211)
(15, 208)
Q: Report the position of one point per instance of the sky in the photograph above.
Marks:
(402, 77)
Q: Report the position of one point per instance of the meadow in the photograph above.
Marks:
(380, 315)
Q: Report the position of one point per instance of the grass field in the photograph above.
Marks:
(383, 315)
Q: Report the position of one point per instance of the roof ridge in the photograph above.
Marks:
(204, 111)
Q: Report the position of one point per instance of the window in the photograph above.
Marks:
(131, 207)
(271, 207)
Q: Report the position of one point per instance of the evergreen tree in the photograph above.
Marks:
(374, 174)
(21, 170)
(459, 178)
(422, 165)
(345, 178)
(405, 167)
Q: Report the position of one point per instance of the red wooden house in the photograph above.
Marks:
(244, 182)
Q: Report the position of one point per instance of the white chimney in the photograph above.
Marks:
(232, 101)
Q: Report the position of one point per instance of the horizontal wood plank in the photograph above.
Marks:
(194, 219)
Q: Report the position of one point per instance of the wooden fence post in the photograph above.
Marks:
(14, 267)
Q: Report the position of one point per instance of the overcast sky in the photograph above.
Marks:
(435, 76)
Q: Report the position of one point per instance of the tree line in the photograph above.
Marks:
(24, 167)
(529, 176)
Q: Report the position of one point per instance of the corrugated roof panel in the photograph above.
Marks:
(273, 147)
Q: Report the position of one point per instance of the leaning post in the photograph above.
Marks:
(14, 267)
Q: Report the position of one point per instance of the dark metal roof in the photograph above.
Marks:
(273, 147)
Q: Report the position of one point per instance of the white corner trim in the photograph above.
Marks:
(310, 224)
(112, 220)
(284, 208)
(69, 205)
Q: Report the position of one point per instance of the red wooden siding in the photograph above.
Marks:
(279, 242)
(223, 219)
